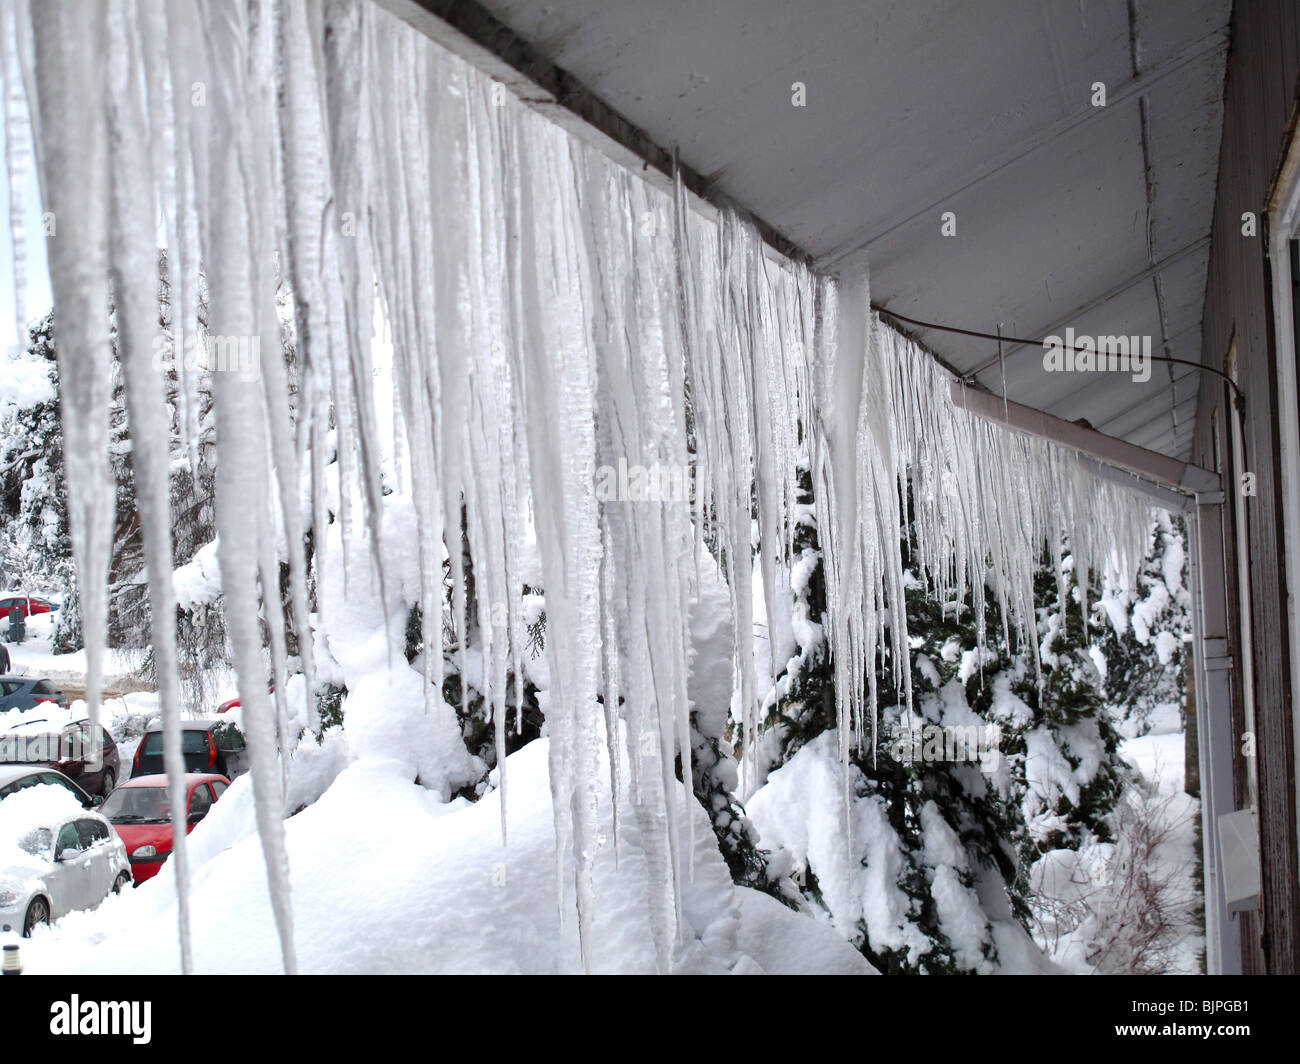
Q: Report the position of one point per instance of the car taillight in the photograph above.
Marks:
(41, 701)
(136, 762)
(212, 752)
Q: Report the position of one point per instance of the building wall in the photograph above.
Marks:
(1260, 96)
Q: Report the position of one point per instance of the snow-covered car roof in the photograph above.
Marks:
(42, 806)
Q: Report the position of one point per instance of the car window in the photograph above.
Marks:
(139, 804)
(9, 687)
(218, 788)
(192, 742)
(91, 832)
(40, 687)
(83, 736)
(227, 737)
(69, 839)
(201, 799)
(21, 784)
(61, 781)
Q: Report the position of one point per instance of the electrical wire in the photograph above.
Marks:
(1002, 338)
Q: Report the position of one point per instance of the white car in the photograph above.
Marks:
(55, 857)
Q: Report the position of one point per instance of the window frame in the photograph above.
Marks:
(1284, 227)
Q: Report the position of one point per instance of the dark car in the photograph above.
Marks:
(26, 605)
(72, 749)
(15, 778)
(28, 692)
(207, 745)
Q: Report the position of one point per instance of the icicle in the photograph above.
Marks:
(134, 259)
(242, 452)
(71, 54)
(552, 317)
(17, 162)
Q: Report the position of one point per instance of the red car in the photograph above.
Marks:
(26, 605)
(141, 815)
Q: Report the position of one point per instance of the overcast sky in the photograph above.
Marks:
(38, 282)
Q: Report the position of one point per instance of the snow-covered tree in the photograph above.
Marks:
(1142, 646)
(916, 870)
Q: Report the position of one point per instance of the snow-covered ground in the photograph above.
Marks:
(387, 878)
(1160, 758)
(1087, 902)
(35, 657)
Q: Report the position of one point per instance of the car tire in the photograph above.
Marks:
(107, 783)
(122, 882)
(38, 912)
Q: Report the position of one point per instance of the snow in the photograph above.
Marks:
(198, 581)
(1087, 894)
(546, 320)
(389, 878)
(800, 816)
(24, 382)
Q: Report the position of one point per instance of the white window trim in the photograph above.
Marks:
(1245, 619)
(1284, 225)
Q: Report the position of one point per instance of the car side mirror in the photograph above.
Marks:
(196, 816)
(68, 854)
(96, 800)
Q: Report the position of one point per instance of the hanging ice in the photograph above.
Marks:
(553, 317)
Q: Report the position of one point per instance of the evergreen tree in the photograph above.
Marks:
(954, 799)
(1142, 645)
(928, 831)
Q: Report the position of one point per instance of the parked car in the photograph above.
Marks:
(55, 857)
(69, 748)
(26, 605)
(28, 692)
(140, 811)
(16, 778)
(208, 746)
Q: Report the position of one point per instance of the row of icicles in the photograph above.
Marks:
(550, 314)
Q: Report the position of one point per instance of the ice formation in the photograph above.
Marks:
(551, 313)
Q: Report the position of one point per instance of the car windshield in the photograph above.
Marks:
(133, 805)
(192, 742)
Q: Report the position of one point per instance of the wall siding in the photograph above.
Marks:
(1260, 95)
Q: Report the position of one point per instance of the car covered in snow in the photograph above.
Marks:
(84, 752)
(215, 746)
(15, 779)
(140, 811)
(55, 857)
